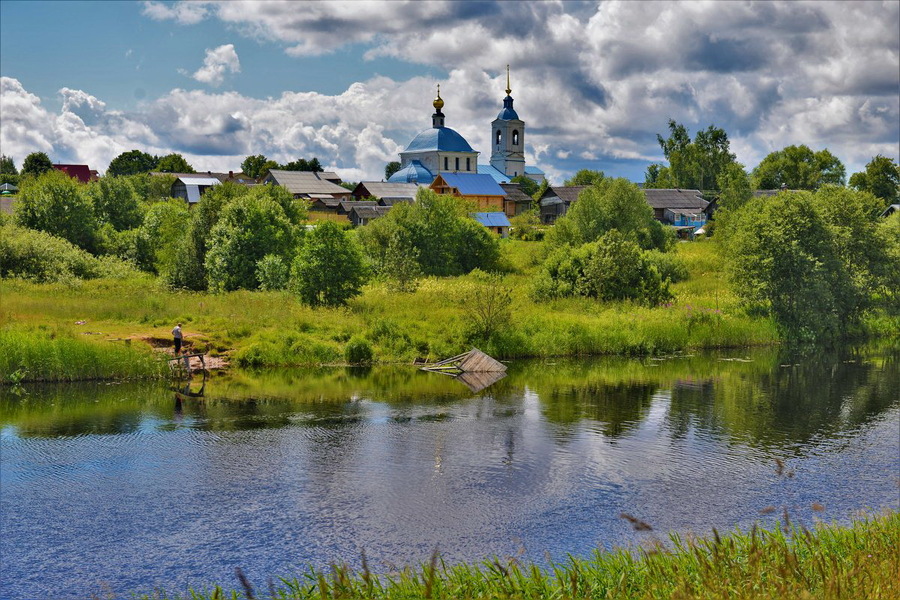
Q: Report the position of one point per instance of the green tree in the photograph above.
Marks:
(160, 236)
(7, 166)
(798, 168)
(542, 187)
(272, 273)
(881, 178)
(132, 162)
(692, 164)
(151, 188)
(115, 202)
(55, 203)
(528, 185)
(328, 269)
(174, 163)
(249, 227)
(486, 303)
(610, 204)
(658, 177)
(36, 163)
(735, 191)
(257, 165)
(391, 168)
(400, 268)
(585, 177)
(301, 164)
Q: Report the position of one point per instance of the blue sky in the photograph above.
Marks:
(351, 83)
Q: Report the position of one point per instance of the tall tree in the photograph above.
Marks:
(585, 177)
(256, 166)
(36, 163)
(174, 163)
(132, 162)
(391, 168)
(692, 164)
(329, 268)
(7, 166)
(881, 178)
(55, 203)
(798, 168)
(115, 202)
(301, 164)
(528, 185)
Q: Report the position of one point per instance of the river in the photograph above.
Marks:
(114, 489)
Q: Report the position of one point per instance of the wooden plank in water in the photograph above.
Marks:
(477, 381)
(479, 362)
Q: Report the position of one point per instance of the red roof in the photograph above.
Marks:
(80, 172)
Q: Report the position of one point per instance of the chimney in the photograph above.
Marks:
(230, 174)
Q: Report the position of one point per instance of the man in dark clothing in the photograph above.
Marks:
(176, 333)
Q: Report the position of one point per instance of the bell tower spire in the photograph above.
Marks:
(508, 138)
(508, 89)
(437, 119)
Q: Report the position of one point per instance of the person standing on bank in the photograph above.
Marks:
(176, 333)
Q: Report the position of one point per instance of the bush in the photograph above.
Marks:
(55, 203)
(358, 351)
(486, 304)
(670, 267)
(272, 273)
(526, 227)
(157, 240)
(328, 269)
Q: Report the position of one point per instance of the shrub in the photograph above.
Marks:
(486, 304)
(115, 202)
(358, 351)
(328, 269)
(527, 227)
(670, 267)
(157, 240)
(272, 273)
(53, 202)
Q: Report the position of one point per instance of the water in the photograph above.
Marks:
(123, 488)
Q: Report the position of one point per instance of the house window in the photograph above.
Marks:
(468, 164)
(446, 164)
(457, 164)
(515, 137)
(498, 137)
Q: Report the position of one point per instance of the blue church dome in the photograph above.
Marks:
(508, 113)
(439, 138)
(414, 172)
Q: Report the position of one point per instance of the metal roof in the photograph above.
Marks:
(567, 194)
(508, 113)
(491, 219)
(533, 171)
(439, 138)
(414, 172)
(369, 212)
(305, 182)
(473, 184)
(199, 181)
(381, 189)
(498, 175)
(675, 198)
(347, 205)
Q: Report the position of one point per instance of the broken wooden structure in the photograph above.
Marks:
(475, 369)
(181, 365)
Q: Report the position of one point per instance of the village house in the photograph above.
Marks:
(320, 189)
(495, 222)
(82, 173)
(555, 201)
(378, 190)
(478, 188)
(362, 215)
(191, 187)
(516, 201)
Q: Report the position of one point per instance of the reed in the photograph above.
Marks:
(830, 561)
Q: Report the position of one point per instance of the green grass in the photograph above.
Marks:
(831, 562)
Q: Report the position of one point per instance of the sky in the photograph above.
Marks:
(352, 82)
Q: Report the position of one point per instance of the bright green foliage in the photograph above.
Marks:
(542, 188)
(115, 202)
(272, 273)
(55, 203)
(401, 267)
(391, 168)
(528, 185)
(448, 241)
(7, 166)
(295, 210)
(611, 204)
(132, 162)
(249, 227)
(358, 351)
(798, 168)
(159, 237)
(736, 191)
(151, 188)
(585, 177)
(888, 232)
(692, 165)
(36, 163)
(301, 164)
(612, 268)
(527, 226)
(487, 305)
(881, 178)
(256, 166)
(328, 269)
(174, 163)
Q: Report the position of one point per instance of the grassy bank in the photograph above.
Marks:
(274, 329)
(858, 561)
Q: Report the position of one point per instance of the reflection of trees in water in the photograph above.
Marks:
(615, 408)
(793, 401)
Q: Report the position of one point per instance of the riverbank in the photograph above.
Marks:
(272, 329)
(830, 561)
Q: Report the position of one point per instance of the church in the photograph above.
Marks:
(441, 149)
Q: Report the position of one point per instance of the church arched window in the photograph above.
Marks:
(515, 137)
(499, 135)
(446, 163)
(468, 164)
(457, 164)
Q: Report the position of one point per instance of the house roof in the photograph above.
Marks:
(305, 182)
(514, 193)
(491, 219)
(233, 177)
(443, 139)
(533, 171)
(472, 184)
(498, 175)
(675, 198)
(388, 201)
(382, 189)
(80, 172)
(414, 172)
(347, 205)
(567, 194)
(8, 187)
(369, 212)
(890, 210)
(199, 180)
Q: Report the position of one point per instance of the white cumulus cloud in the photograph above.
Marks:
(216, 64)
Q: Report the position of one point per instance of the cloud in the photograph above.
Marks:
(185, 13)
(217, 62)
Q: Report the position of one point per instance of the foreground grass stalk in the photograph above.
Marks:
(831, 562)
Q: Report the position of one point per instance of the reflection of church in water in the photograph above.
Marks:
(443, 150)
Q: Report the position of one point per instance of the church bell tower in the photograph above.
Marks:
(508, 138)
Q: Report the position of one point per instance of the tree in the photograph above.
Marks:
(36, 163)
(486, 303)
(174, 163)
(257, 165)
(7, 166)
(302, 164)
(585, 177)
(161, 235)
(115, 202)
(735, 191)
(610, 204)
(132, 162)
(328, 269)
(391, 168)
(881, 178)
(692, 165)
(658, 177)
(798, 168)
(249, 227)
(400, 267)
(55, 203)
(528, 185)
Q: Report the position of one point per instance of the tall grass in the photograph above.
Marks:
(48, 354)
(859, 561)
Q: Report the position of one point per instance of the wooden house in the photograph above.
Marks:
(516, 201)
(555, 201)
(322, 193)
(362, 215)
(495, 222)
(480, 189)
(376, 190)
